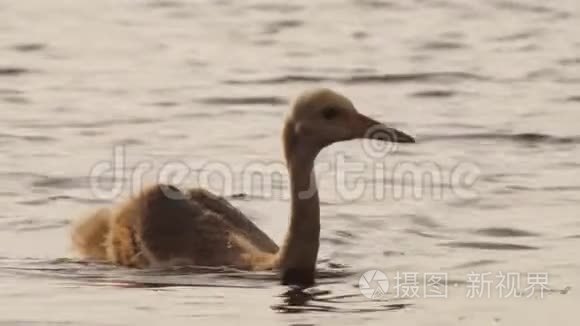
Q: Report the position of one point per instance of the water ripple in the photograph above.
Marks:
(165, 4)
(424, 234)
(13, 71)
(477, 263)
(487, 245)
(442, 46)
(522, 7)
(436, 93)
(575, 98)
(30, 138)
(519, 137)
(101, 274)
(10, 91)
(570, 61)
(518, 36)
(424, 221)
(505, 232)
(246, 100)
(443, 77)
(89, 124)
(276, 7)
(297, 300)
(29, 224)
(278, 26)
(29, 47)
(16, 100)
(377, 4)
(61, 182)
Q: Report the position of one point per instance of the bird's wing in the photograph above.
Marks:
(220, 206)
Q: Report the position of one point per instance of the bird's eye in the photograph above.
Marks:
(329, 113)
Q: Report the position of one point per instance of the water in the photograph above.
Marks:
(491, 87)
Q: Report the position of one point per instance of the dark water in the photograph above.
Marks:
(490, 89)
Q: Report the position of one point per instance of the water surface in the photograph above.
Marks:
(492, 86)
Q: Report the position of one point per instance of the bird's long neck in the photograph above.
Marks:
(300, 250)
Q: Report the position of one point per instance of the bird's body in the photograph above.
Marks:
(165, 226)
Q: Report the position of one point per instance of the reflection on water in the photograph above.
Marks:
(297, 300)
(492, 85)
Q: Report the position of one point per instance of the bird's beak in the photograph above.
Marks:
(366, 127)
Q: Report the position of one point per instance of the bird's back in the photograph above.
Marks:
(163, 226)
